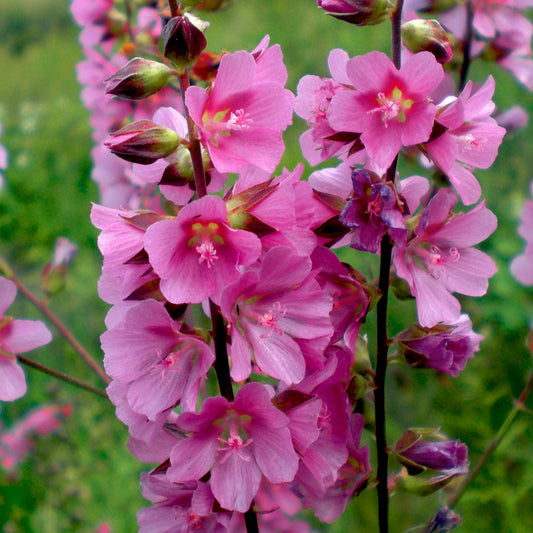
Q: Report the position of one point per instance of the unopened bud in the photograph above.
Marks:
(184, 40)
(359, 12)
(143, 142)
(138, 79)
(427, 35)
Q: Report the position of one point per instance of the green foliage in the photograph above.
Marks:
(85, 475)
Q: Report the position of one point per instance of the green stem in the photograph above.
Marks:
(60, 375)
(519, 407)
(60, 327)
(467, 45)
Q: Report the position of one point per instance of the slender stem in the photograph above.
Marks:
(396, 20)
(61, 328)
(221, 353)
(467, 45)
(217, 320)
(174, 8)
(518, 407)
(194, 143)
(61, 376)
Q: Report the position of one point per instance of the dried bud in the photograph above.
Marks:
(427, 35)
(184, 40)
(138, 79)
(359, 12)
(143, 142)
(54, 274)
(445, 520)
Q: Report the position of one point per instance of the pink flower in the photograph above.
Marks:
(272, 309)
(241, 119)
(197, 254)
(238, 442)
(16, 336)
(312, 103)
(471, 140)
(390, 108)
(144, 348)
(439, 260)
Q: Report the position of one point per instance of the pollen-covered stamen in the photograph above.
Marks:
(235, 443)
(438, 257)
(375, 206)
(194, 521)
(268, 320)
(239, 120)
(207, 253)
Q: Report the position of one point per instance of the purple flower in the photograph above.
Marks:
(445, 348)
(522, 265)
(373, 209)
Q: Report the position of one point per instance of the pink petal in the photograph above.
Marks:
(370, 71)
(422, 73)
(12, 380)
(24, 335)
(8, 291)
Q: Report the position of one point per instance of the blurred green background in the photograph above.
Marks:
(84, 475)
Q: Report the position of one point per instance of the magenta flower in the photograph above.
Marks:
(445, 348)
(238, 442)
(439, 258)
(241, 119)
(390, 108)
(272, 311)
(16, 336)
(197, 254)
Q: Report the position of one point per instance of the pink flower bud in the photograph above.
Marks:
(138, 79)
(54, 274)
(427, 35)
(143, 142)
(359, 12)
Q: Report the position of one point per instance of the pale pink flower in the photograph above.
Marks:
(522, 265)
(390, 108)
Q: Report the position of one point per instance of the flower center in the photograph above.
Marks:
(469, 142)
(268, 320)
(204, 237)
(239, 120)
(392, 107)
(207, 253)
(234, 443)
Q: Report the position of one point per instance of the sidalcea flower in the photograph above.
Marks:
(445, 348)
(238, 442)
(241, 119)
(389, 107)
(16, 336)
(314, 94)
(197, 254)
(471, 140)
(373, 210)
(439, 258)
(278, 315)
(522, 265)
(144, 348)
